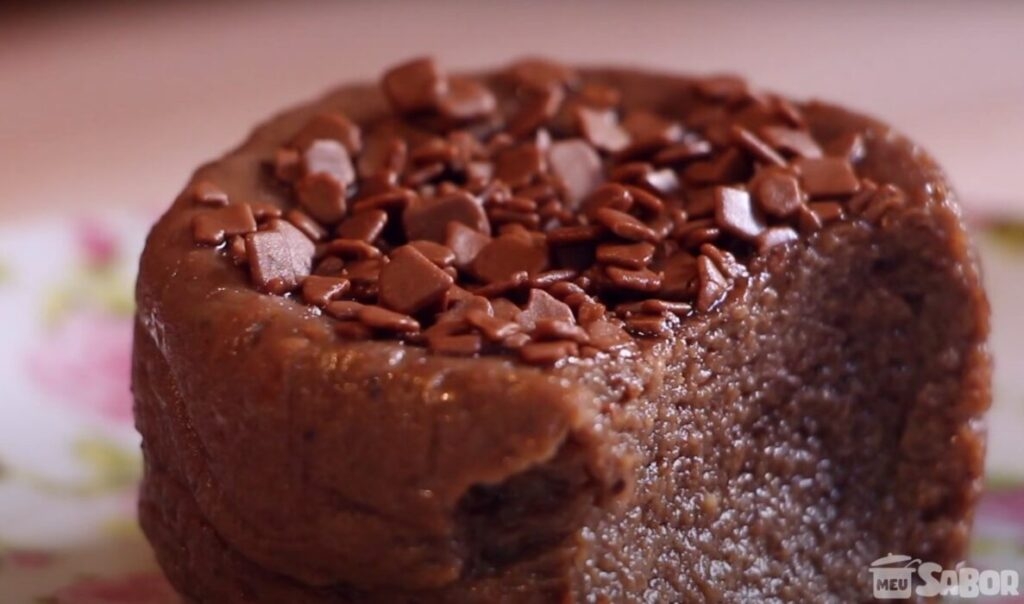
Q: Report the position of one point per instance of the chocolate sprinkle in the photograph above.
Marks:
(536, 214)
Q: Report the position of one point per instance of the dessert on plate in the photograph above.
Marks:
(551, 334)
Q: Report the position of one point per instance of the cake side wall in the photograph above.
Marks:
(826, 418)
(251, 418)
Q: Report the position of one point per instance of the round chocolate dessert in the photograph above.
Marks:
(551, 334)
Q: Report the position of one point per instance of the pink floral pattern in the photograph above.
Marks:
(83, 363)
(26, 558)
(97, 242)
(138, 588)
(1006, 505)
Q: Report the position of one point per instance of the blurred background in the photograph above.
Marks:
(114, 103)
(106, 107)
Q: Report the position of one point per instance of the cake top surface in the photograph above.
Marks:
(530, 213)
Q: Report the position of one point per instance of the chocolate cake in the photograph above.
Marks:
(551, 334)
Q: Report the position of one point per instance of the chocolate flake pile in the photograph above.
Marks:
(531, 213)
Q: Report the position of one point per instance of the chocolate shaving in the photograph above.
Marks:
(712, 284)
(344, 309)
(793, 141)
(848, 146)
(602, 129)
(547, 353)
(280, 257)
(465, 345)
(329, 157)
(600, 96)
(365, 226)
(649, 326)
(353, 249)
(329, 126)
(777, 192)
(577, 168)
(383, 319)
(757, 147)
(517, 166)
(383, 154)
(428, 218)
(648, 130)
(774, 236)
(465, 243)
(440, 255)
(541, 74)
(306, 223)
(735, 213)
(538, 107)
(414, 86)
(212, 226)
(724, 87)
(323, 197)
(466, 100)
(541, 305)
(236, 250)
(640, 280)
(206, 193)
(411, 283)
(493, 328)
(624, 225)
(827, 176)
(321, 291)
(509, 254)
(553, 329)
(634, 256)
(287, 165)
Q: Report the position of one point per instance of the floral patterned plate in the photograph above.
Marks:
(69, 455)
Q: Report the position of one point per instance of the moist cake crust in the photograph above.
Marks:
(824, 411)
